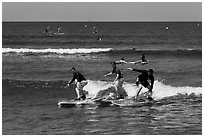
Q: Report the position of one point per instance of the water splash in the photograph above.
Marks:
(160, 90)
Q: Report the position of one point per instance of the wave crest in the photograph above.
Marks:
(160, 90)
(56, 51)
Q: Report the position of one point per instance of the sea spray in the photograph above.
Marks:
(93, 87)
(160, 90)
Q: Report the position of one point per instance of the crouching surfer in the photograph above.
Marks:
(80, 83)
(142, 81)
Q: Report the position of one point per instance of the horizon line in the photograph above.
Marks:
(102, 21)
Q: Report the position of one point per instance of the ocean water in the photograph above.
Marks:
(36, 68)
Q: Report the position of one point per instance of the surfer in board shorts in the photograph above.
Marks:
(80, 83)
(142, 81)
(118, 82)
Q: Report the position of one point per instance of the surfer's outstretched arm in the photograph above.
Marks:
(74, 77)
(134, 62)
(48, 27)
(108, 74)
(68, 84)
(138, 70)
(71, 81)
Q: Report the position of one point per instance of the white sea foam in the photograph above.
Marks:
(57, 51)
(160, 90)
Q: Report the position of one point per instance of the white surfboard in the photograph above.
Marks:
(73, 103)
(58, 34)
(144, 63)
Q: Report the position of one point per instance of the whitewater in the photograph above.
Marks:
(160, 90)
(58, 51)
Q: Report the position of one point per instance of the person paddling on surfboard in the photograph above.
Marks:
(118, 82)
(142, 60)
(81, 82)
(142, 81)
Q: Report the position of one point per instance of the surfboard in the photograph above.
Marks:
(74, 103)
(54, 34)
(144, 63)
(58, 34)
(104, 102)
(89, 101)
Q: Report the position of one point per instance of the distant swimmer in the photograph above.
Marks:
(142, 60)
(95, 31)
(48, 32)
(81, 82)
(47, 29)
(59, 30)
(99, 39)
(142, 81)
(118, 82)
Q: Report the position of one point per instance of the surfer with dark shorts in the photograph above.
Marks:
(142, 81)
(118, 82)
(81, 82)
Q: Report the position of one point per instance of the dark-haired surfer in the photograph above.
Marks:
(118, 82)
(142, 81)
(81, 82)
